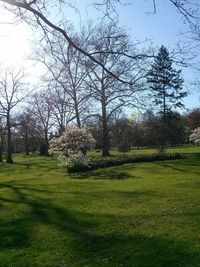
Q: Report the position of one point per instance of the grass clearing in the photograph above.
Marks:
(142, 214)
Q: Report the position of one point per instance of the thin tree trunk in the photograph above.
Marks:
(105, 151)
(105, 145)
(78, 117)
(26, 143)
(77, 112)
(1, 147)
(1, 154)
(9, 142)
(164, 128)
(46, 143)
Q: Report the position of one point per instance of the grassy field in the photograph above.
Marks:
(186, 149)
(144, 214)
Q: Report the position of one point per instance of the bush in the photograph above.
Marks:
(195, 136)
(120, 161)
(72, 146)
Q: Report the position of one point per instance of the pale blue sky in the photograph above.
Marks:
(164, 27)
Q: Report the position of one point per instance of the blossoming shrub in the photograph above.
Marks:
(72, 146)
(195, 136)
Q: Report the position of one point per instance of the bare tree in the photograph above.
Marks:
(36, 12)
(42, 108)
(12, 93)
(110, 44)
(66, 71)
(62, 110)
(28, 129)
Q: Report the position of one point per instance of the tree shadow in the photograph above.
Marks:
(31, 164)
(89, 245)
(181, 166)
(109, 173)
(169, 165)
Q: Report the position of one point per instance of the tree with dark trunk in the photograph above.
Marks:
(109, 44)
(42, 108)
(66, 71)
(2, 136)
(29, 131)
(166, 85)
(11, 94)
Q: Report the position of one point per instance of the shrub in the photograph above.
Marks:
(72, 146)
(120, 161)
(195, 136)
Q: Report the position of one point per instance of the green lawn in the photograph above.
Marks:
(186, 149)
(144, 214)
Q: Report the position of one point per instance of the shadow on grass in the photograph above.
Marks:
(89, 246)
(26, 163)
(182, 165)
(170, 165)
(38, 165)
(110, 173)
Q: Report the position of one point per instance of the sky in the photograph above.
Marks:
(16, 45)
(163, 28)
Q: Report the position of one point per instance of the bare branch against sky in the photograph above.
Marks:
(36, 10)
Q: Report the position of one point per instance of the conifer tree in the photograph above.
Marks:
(166, 85)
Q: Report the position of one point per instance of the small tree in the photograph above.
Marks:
(72, 146)
(195, 136)
(166, 85)
(12, 92)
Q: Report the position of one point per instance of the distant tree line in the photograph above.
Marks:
(76, 90)
(30, 135)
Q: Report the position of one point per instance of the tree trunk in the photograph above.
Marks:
(78, 117)
(105, 150)
(1, 154)
(46, 143)
(26, 143)
(27, 149)
(9, 148)
(105, 145)
(164, 128)
(77, 112)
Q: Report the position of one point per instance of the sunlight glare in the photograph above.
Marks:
(14, 44)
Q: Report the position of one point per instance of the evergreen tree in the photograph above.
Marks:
(166, 86)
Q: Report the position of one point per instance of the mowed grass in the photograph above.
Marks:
(186, 149)
(144, 214)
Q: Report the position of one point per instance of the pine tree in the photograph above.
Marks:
(166, 85)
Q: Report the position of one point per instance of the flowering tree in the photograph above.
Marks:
(72, 146)
(195, 136)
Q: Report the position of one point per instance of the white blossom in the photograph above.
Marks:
(72, 146)
(195, 136)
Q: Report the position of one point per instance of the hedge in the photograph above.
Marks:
(119, 161)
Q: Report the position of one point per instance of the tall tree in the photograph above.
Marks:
(66, 71)
(62, 110)
(42, 108)
(29, 131)
(12, 89)
(110, 44)
(166, 84)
